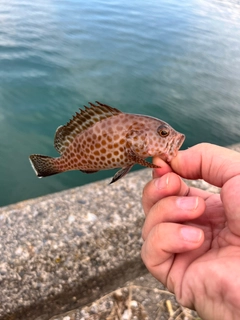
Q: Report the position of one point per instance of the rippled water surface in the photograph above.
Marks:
(176, 60)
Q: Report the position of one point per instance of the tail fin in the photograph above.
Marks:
(43, 165)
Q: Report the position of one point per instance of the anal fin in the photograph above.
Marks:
(121, 173)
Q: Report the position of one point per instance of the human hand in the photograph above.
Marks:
(192, 237)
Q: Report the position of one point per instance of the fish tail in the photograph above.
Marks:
(43, 165)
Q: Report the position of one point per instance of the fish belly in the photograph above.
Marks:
(97, 150)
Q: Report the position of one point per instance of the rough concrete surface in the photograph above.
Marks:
(66, 250)
(63, 250)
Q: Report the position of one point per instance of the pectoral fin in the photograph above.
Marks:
(135, 158)
(121, 173)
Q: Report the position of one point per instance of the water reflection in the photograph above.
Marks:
(178, 61)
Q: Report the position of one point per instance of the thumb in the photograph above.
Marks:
(212, 163)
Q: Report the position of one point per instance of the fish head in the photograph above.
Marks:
(163, 141)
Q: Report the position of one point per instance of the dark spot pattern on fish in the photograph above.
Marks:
(101, 137)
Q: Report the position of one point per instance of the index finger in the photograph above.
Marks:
(210, 162)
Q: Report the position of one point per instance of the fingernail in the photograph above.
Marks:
(161, 183)
(187, 203)
(191, 234)
(154, 174)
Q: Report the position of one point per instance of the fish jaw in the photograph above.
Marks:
(171, 149)
(175, 145)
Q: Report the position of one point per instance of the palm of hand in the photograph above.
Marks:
(208, 272)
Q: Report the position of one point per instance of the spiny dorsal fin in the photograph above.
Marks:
(80, 122)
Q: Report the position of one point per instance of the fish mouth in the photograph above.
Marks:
(180, 140)
(175, 146)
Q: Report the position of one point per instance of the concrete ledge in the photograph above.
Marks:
(64, 250)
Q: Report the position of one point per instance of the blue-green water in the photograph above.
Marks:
(175, 60)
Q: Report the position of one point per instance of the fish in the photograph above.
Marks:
(100, 137)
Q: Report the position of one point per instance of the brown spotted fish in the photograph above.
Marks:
(101, 137)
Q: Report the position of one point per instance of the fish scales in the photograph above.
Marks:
(104, 144)
(101, 137)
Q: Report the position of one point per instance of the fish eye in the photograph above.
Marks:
(163, 131)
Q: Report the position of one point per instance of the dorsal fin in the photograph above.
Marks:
(80, 122)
